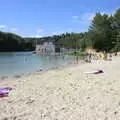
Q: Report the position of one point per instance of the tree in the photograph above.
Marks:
(12, 42)
(100, 32)
(117, 29)
(117, 17)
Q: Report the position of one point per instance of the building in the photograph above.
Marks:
(50, 48)
(46, 48)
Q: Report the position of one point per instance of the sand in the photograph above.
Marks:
(65, 94)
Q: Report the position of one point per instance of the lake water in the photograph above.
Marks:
(17, 63)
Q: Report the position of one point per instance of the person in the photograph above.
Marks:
(90, 56)
(110, 57)
(105, 56)
(77, 59)
(115, 53)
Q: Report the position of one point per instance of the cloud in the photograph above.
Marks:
(108, 13)
(85, 17)
(88, 16)
(75, 17)
(58, 32)
(40, 31)
(69, 29)
(38, 36)
(14, 29)
(3, 26)
(8, 29)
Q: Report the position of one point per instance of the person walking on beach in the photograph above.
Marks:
(115, 53)
(77, 59)
(105, 56)
(110, 57)
(89, 57)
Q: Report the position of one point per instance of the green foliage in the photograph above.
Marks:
(100, 32)
(117, 17)
(12, 42)
(117, 45)
(103, 34)
(78, 53)
(67, 40)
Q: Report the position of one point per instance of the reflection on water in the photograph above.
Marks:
(22, 62)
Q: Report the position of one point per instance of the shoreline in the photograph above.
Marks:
(72, 63)
(65, 93)
(62, 66)
(80, 61)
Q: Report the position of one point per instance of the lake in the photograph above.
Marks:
(16, 63)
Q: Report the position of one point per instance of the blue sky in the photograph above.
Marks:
(47, 17)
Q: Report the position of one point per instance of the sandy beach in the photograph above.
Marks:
(65, 94)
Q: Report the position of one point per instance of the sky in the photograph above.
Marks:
(38, 18)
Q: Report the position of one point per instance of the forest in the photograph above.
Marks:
(103, 35)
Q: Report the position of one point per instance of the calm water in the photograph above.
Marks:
(22, 62)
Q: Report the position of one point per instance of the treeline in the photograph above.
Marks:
(67, 40)
(12, 42)
(104, 32)
(103, 35)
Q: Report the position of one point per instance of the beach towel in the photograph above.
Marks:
(5, 91)
(94, 72)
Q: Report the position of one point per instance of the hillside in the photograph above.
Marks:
(13, 42)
